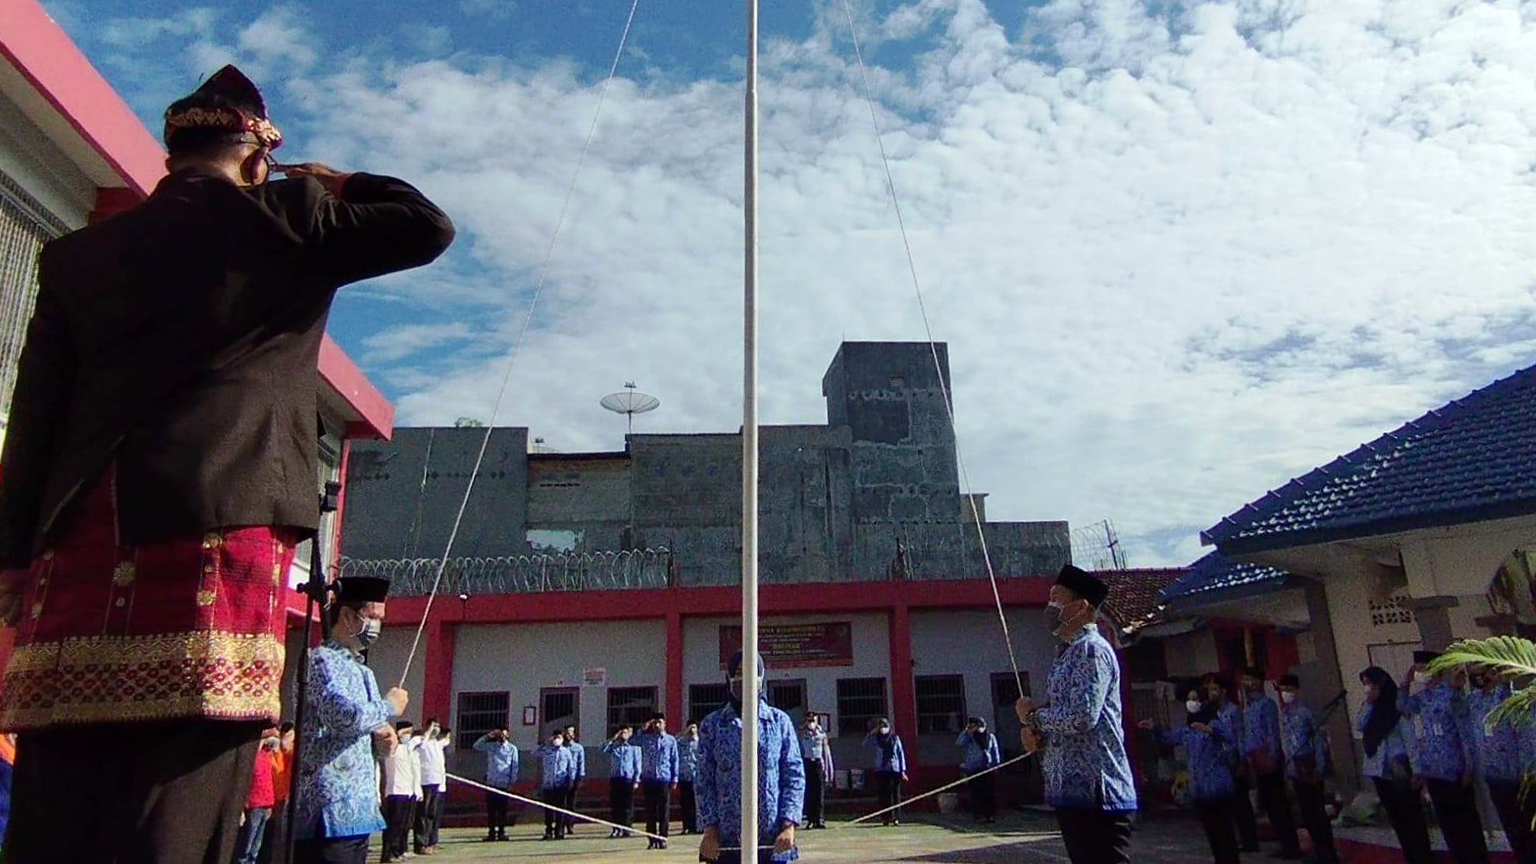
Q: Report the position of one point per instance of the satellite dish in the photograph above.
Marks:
(630, 402)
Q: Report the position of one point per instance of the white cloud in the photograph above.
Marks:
(1181, 252)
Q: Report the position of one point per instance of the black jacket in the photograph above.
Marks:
(181, 338)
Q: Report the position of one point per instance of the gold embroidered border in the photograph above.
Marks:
(135, 678)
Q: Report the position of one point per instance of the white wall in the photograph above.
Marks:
(970, 643)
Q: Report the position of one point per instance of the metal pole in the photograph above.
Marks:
(749, 682)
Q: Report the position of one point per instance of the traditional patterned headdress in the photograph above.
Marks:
(227, 102)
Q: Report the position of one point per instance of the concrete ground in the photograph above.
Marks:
(1019, 838)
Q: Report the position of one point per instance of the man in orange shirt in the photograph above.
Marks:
(276, 850)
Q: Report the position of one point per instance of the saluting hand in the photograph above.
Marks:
(329, 177)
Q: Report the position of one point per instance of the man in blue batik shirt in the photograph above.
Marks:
(338, 782)
(1229, 725)
(1443, 727)
(658, 776)
(624, 763)
(1306, 760)
(780, 779)
(1266, 760)
(1500, 756)
(1087, 774)
(501, 769)
(687, 771)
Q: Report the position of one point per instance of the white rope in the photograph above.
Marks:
(561, 810)
(932, 792)
(538, 291)
(933, 346)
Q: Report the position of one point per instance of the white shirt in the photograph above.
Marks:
(400, 772)
(434, 771)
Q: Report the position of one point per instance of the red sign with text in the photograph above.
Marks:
(791, 646)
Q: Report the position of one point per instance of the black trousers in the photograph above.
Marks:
(1314, 815)
(173, 796)
(815, 792)
(621, 801)
(425, 830)
(1515, 818)
(1219, 821)
(496, 814)
(554, 823)
(1272, 798)
(686, 796)
(658, 807)
(983, 791)
(888, 786)
(397, 825)
(334, 850)
(570, 804)
(1242, 813)
(1095, 836)
(1456, 808)
(1406, 815)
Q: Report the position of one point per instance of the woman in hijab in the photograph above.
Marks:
(981, 753)
(1211, 783)
(1389, 759)
(890, 768)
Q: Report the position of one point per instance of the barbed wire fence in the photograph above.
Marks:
(570, 571)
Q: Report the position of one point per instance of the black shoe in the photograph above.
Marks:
(489, 838)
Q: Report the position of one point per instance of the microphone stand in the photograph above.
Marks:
(314, 590)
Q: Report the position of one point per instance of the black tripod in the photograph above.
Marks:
(315, 592)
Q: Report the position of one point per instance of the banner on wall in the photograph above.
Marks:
(794, 646)
(594, 677)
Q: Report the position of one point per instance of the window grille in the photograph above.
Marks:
(859, 700)
(940, 704)
(630, 706)
(479, 713)
(1390, 611)
(25, 225)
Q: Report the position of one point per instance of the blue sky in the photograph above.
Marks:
(1182, 252)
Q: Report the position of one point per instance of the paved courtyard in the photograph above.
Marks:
(1019, 838)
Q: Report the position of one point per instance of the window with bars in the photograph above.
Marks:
(705, 699)
(859, 701)
(480, 713)
(940, 704)
(629, 706)
(25, 225)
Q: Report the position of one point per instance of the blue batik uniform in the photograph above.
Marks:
(623, 761)
(1498, 749)
(687, 760)
(1303, 739)
(1084, 757)
(780, 784)
(1209, 756)
(658, 757)
(501, 762)
(578, 761)
(894, 762)
(557, 767)
(1261, 731)
(1397, 746)
(338, 782)
(977, 757)
(1443, 731)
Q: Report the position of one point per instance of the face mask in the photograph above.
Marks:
(884, 730)
(1193, 706)
(1287, 697)
(736, 688)
(1053, 620)
(372, 627)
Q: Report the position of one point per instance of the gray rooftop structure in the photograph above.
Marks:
(873, 495)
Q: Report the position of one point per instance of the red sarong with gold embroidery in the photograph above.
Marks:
(175, 630)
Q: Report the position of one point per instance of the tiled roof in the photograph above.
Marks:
(1216, 572)
(1136, 596)
(1472, 460)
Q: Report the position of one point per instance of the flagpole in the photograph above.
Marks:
(749, 683)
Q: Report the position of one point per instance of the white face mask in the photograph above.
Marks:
(1193, 706)
(1287, 697)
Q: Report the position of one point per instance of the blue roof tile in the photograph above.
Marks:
(1471, 460)
(1216, 572)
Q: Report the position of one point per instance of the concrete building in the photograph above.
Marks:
(1416, 539)
(596, 587)
(71, 153)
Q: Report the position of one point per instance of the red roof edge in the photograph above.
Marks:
(40, 49)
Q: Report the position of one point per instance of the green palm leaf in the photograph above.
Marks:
(1504, 654)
